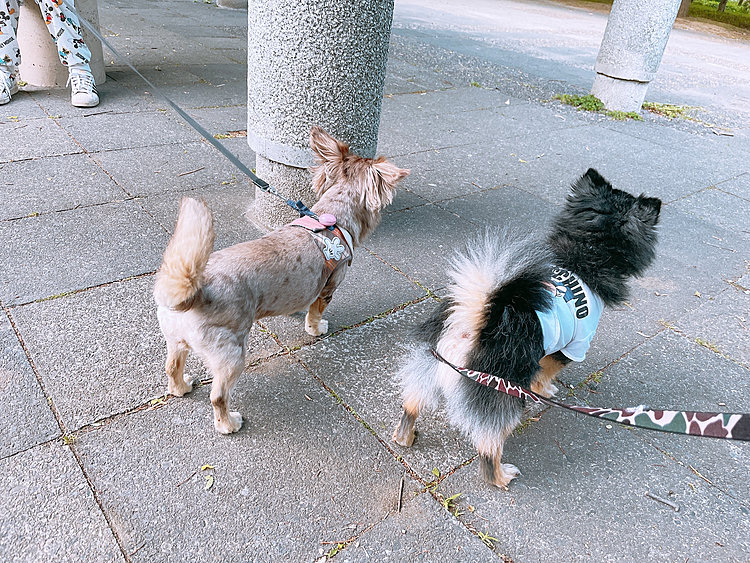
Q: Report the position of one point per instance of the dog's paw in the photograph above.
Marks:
(547, 390)
(403, 439)
(179, 389)
(507, 473)
(322, 328)
(233, 424)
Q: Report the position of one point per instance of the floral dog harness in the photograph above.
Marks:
(335, 244)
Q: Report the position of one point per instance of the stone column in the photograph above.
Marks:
(633, 44)
(40, 63)
(311, 62)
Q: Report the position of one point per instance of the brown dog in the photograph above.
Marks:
(209, 301)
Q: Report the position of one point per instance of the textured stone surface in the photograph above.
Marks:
(49, 511)
(26, 417)
(295, 81)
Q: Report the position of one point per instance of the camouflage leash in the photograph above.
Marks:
(712, 424)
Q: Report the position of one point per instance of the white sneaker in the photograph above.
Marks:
(8, 84)
(83, 89)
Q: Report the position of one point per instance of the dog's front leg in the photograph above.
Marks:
(550, 366)
(314, 323)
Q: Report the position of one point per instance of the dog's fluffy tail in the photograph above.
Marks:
(499, 261)
(181, 274)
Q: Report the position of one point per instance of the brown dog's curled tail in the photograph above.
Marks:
(181, 273)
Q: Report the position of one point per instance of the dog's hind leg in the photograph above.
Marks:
(419, 382)
(490, 454)
(550, 366)
(226, 365)
(176, 354)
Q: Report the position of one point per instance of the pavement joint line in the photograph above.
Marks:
(80, 290)
(69, 209)
(689, 466)
(431, 150)
(65, 434)
(398, 270)
(425, 485)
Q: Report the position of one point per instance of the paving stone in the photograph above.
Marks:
(294, 432)
(26, 418)
(180, 167)
(143, 129)
(100, 352)
(49, 511)
(28, 138)
(423, 531)
(360, 366)
(71, 250)
(53, 184)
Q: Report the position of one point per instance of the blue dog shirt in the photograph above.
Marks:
(570, 324)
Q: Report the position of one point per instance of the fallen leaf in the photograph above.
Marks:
(209, 482)
(206, 466)
(697, 294)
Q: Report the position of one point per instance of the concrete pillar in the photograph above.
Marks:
(311, 62)
(633, 44)
(40, 63)
(232, 4)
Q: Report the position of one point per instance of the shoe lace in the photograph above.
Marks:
(81, 82)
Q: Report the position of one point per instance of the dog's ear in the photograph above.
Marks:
(325, 147)
(647, 209)
(380, 191)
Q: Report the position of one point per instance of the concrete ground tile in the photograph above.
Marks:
(503, 207)
(35, 138)
(113, 99)
(739, 186)
(143, 129)
(26, 418)
(405, 199)
(674, 372)
(22, 107)
(49, 511)
(360, 365)
(71, 250)
(420, 242)
(422, 532)
(101, 352)
(370, 288)
(228, 206)
(145, 171)
(724, 322)
(287, 481)
(438, 175)
(403, 77)
(714, 206)
(547, 162)
(222, 120)
(203, 94)
(716, 251)
(53, 184)
(569, 464)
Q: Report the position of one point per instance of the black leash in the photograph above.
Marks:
(298, 206)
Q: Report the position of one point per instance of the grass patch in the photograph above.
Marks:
(592, 103)
(733, 14)
(670, 111)
(588, 103)
(623, 115)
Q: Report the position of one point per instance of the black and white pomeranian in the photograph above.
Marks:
(522, 309)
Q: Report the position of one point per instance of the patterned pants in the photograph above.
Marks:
(62, 24)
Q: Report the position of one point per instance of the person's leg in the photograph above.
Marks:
(10, 55)
(63, 25)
